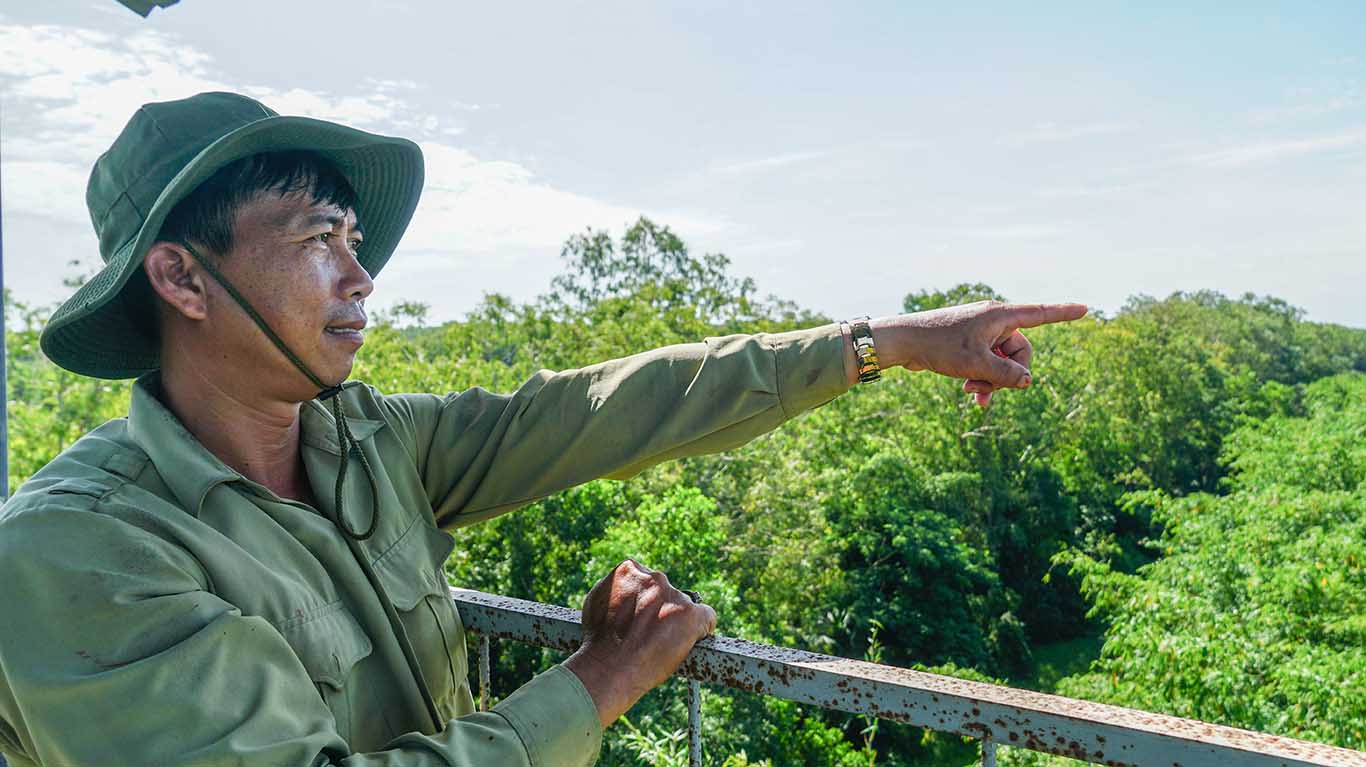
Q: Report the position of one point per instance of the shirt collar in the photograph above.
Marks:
(318, 427)
(187, 467)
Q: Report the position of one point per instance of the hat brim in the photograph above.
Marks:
(98, 331)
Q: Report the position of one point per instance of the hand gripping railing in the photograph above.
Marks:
(1091, 732)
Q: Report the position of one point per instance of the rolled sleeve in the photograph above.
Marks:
(809, 367)
(556, 719)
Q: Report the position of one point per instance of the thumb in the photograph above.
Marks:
(1004, 372)
(595, 603)
(708, 621)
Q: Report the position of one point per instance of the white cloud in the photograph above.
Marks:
(1015, 232)
(46, 188)
(373, 112)
(1088, 191)
(1313, 101)
(769, 163)
(1305, 109)
(481, 206)
(869, 146)
(780, 245)
(67, 92)
(1261, 152)
(1051, 132)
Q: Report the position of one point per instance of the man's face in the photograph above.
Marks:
(295, 261)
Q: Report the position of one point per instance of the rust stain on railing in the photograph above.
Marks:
(1093, 732)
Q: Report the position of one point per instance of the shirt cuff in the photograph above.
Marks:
(809, 366)
(556, 719)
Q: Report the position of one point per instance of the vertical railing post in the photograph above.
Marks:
(988, 751)
(694, 723)
(4, 385)
(484, 672)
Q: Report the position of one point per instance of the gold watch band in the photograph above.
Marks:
(864, 350)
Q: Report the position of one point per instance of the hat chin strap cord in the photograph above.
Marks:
(350, 448)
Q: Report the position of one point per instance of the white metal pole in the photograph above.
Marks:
(4, 382)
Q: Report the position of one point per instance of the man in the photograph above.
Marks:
(248, 568)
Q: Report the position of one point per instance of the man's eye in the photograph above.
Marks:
(322, 237)
(355, 245)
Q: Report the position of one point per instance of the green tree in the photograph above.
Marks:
(49, 408)
(962, 293)
(1253, 614)
(650, 262)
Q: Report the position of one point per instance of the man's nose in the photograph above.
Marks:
(356, 282)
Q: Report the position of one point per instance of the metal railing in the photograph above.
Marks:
(1091, 732)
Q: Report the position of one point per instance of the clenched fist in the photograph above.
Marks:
(637, 629)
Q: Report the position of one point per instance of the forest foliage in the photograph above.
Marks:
(1184, 480)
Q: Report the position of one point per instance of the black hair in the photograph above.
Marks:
(205, 217)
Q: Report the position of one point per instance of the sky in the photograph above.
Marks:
(841, 154)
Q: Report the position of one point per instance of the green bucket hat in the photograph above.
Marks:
(165, 152)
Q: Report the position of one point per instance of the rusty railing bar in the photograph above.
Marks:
(694, 723)
(1093, 732)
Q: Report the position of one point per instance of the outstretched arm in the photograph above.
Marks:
(481, 454)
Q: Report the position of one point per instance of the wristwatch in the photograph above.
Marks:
(868, 370)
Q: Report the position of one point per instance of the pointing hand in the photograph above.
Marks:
(979, 342)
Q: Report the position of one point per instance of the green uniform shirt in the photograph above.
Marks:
(157, 608)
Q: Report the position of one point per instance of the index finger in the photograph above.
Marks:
(1034, 315)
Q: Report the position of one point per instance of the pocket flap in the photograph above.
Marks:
(414, 567)
(329, 643)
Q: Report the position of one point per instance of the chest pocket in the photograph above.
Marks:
(413, 575)
(330, 642)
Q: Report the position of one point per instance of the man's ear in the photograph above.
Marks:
(176, 277)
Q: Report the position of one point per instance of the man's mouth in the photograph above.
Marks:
(351, 331)
(349, 326)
